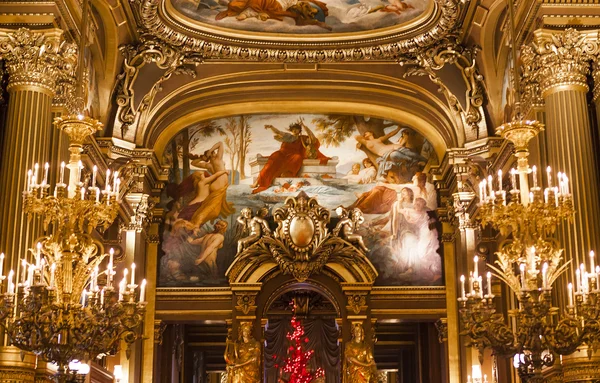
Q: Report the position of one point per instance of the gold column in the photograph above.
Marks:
(564, 63)
(149, 342)
(34, 61)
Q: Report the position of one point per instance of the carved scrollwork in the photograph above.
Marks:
(172, 59)
(357, 301)
(427, 61)
(245, 301)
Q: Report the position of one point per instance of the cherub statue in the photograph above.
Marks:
(348, 225)
(257, 226)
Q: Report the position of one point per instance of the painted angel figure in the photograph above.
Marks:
(257, 226)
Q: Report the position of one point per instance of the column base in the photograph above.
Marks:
(577, 367)
(16, 366)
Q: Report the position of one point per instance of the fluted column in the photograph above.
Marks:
(34, 62)
(564, 64)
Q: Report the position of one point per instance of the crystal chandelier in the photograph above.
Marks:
(55, 305)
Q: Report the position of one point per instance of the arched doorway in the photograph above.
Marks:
(319, 314)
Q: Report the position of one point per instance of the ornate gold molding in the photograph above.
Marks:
(159, 329)
(596, 76)
(152, 20)
(36, 59)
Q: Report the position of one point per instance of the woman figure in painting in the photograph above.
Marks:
(215, 204)
(366, 175)
(415, 243)
(358, 358)
(287, 161)
(425, 190)
(243, 357)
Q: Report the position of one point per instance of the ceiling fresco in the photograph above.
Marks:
(296, 30)
(302, 16)
(222, 169)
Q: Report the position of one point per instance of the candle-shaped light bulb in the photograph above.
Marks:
(94, 171)
(578, 279)
(566, 184)
(531, 197)
(102, 298)
(484, 188)
(79, 170)
(570, 293)
(500, 188)
(10, 286)
(36, 167)
(592, 267)
(143, 291)
(23, 270)
(62, 172)
(513, 179)
(82, 194)
(118, 187)
(115, 178)
(491, 186)
(46, 167)
(133, 273)
(83, 294)
(96, 278)
(489, 283)
(475, 266)
(534, 173)
(462, 286)
(29, 180)
(38, 254)
(52, 274)
(125, 272)
(549, 172)
(481, 191)
(30, 275)
(107, 180)
(545, 275)
(523, 282)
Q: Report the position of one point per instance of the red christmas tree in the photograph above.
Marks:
(296, 364)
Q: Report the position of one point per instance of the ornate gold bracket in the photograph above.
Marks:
(173, 60)
(427, 61)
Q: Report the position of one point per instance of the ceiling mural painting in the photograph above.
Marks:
(298, 30)
(223, 170)
(302, 16)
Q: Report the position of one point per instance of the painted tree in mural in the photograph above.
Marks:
(334, 129)
(237, 141)
(185, 142)
(295, 367)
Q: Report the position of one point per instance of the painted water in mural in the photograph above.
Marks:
(302, 16)
(220, 167)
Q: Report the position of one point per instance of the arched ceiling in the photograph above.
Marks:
(300, 92)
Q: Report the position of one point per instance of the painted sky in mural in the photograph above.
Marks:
(302, 16)
(225, 165)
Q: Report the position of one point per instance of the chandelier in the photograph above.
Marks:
(529, 261)
(61, 306)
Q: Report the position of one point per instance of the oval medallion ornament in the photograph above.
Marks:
(302, 230)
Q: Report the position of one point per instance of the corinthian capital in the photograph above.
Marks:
(564, 59)
(36, 59)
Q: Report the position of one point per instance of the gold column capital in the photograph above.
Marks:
(596, 76)
(563, 59)
(37, 59)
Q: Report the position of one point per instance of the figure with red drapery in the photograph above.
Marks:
(287, 161)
